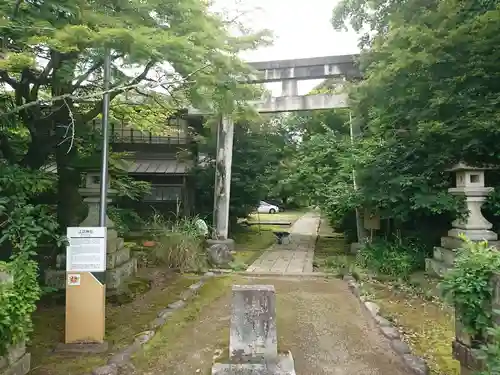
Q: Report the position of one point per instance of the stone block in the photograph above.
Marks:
(114, 259)
(14, 353)
(446, 256)
(465, 355)
(114, 243)
(115, 277)
(461, 334)
(229, 243)
(474, 234)
(435, 268)
(20, 367)
(456, 243)
(495, 302)
(55, 278)
(253, 322)
(282, 365)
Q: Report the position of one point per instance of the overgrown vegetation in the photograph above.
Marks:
(178, 244)
(398, 258)
(468, 286)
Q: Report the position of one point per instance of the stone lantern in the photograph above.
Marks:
(119, 263)
(470, 184)
(91, 195)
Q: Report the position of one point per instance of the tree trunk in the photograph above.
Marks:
(70, 202)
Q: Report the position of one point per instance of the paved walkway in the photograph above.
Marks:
(296, 254)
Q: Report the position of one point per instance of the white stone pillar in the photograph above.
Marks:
(224, 158)
(289, 87)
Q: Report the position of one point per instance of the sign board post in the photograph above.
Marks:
(85, 285)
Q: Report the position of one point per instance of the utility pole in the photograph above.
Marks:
(105, 122)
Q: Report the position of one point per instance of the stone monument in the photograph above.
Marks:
(469, 183)
(119, 264)
(253, 339)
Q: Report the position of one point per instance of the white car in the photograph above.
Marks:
(267, 208)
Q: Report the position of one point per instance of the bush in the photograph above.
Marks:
(179, 243)
(17, 301)
(468, 286)
(396, 258)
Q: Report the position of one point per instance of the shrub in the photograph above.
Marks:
(179, 243)
(468, 286)
(17, 301)
(396, 258)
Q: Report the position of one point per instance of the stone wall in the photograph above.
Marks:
(462, 346)
(16, 361)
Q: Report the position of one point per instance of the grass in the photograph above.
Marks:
(122, 324)
(166, 339)
(331, 255)
(427, 324)
(290, 216)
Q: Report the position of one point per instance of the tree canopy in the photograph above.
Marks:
(166, 53)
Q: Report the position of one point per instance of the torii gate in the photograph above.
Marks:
(289, 72)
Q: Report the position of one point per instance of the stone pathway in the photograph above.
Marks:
(296, 254)
(319, 321)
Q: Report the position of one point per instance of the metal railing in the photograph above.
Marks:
(121, 133)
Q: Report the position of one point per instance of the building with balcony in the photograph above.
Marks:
(165, 160)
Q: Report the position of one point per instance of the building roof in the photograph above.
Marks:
(147, 166)
(158, 166)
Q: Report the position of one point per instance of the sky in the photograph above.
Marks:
(301, 28)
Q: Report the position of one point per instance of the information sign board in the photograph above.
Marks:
(86, 250)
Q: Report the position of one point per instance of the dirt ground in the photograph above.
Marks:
(319, 320)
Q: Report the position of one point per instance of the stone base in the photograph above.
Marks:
(474, 234)
(445, 256)
(82, 347)
(284, 365)
(465, 356)
(118, 257)
(229, 243)
(116, 277)
(20, 367)
(436, 268)
(355, 247)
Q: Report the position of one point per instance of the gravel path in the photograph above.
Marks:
(319, 320)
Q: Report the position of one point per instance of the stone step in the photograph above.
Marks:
(434, 267)
(456, 243)
(447, 256)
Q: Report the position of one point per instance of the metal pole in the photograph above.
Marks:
(105, 122)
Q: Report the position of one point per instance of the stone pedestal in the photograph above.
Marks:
(253, 346)
(16, 361)
(119, 264)
(470, 184)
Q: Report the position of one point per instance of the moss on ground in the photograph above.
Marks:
(122, 324)
(331, 255)
(165, 340)
(427, 325)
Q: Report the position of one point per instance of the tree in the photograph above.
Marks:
(429, 99)
(52, 55)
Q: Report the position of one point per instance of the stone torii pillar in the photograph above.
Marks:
(222, 192)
